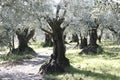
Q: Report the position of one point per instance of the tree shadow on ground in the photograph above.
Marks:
(113, 49)
(99, 76)
(86, 73)
(28, 60)
(37, 60)
(20, 76)
(110, 54)
(105, 55)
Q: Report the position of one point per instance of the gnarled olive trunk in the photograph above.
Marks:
(23, 43)
(58, 61)
(93, 37)
(48, 40)
(59, 48)
(74, 38)
(83, 43)
(64, 36)
(24, 35)
(93, 47)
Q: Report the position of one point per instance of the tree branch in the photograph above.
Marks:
(31, 34)
(46, 31)
(58, 10)
(61, 20)
(65, 26)
(64, 13)
(111, 29)
(18, 31)
(49, 28)
(49, 21)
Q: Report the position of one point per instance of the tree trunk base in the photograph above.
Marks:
(92, 49)
(48, 44)
(83, 43)
(53, 67)
(76, 46)
(27, 50)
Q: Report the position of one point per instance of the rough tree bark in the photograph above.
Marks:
(93, 47)
(74, 38)
(83, 43)
(23, 35)
(64, 36)
(13, 41)
(58, 61)
(99, 38)
(48, 40)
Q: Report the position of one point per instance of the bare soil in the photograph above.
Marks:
(26, 69)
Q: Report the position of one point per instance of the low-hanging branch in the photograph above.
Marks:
(49, 21)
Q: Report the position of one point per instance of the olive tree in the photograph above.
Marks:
(57, 24)
(51, 18)
(109, 10)
(86, 23)
(18, 21)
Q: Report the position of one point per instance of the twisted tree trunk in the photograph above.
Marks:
(59, 48)
(93, 37)
(58, 61)
(23, 43)
(74, 38)
(48, 40)
(93, 47)
(23, 35)
(83, 43)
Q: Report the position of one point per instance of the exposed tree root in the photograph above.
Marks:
(54, 67)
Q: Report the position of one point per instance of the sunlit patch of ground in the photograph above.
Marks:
(105, 66)
(23, 67)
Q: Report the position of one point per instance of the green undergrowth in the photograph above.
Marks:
(37, 44)
(13, 57)
(104, 66)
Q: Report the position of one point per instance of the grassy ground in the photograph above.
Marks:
(4, 51)
(105, 66)
(13, 57)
